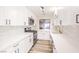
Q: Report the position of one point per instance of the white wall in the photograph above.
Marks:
(68, 15)
(69, 41)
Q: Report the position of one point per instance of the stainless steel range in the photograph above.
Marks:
(34, 34)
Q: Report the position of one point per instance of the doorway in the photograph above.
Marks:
(44, 24)
(44, 29)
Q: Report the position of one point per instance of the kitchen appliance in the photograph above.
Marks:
(34, 34)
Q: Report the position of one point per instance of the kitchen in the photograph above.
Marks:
(39, 29)
(19, 28)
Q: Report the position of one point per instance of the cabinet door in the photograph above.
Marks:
(2, 16)
(5, 15)
(9, 49)
(31, 39)
(15, 15)
(12, 15)
(20, 47)
(26, 44)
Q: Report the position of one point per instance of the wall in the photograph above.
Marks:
(70, 39)
(68, 15)
(70, 35)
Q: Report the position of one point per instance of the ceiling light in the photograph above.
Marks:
(55, 8)
(43, 10)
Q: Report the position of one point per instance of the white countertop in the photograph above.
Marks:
(64, 44)
(9, 39)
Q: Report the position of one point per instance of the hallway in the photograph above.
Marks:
(42, 46)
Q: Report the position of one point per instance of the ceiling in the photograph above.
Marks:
(38, 11)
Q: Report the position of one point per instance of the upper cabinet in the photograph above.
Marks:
(2, 16)
(14, 15)
(10, 15)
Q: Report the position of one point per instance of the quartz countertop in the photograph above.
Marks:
(7, 39)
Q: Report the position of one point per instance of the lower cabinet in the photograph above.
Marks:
(22, 46)
(25, 45)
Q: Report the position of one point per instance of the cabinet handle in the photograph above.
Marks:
(9, 21)
(6, 21)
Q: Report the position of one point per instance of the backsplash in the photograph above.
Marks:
(30, 27)
(11, 30)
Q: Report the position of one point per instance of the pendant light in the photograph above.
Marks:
(43, 10)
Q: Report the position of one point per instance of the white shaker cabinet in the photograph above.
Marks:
(12, 15)
(15, 15)
(25, 45)
(22, 46)
(2, 16)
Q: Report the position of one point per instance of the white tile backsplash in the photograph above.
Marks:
(9, 30)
